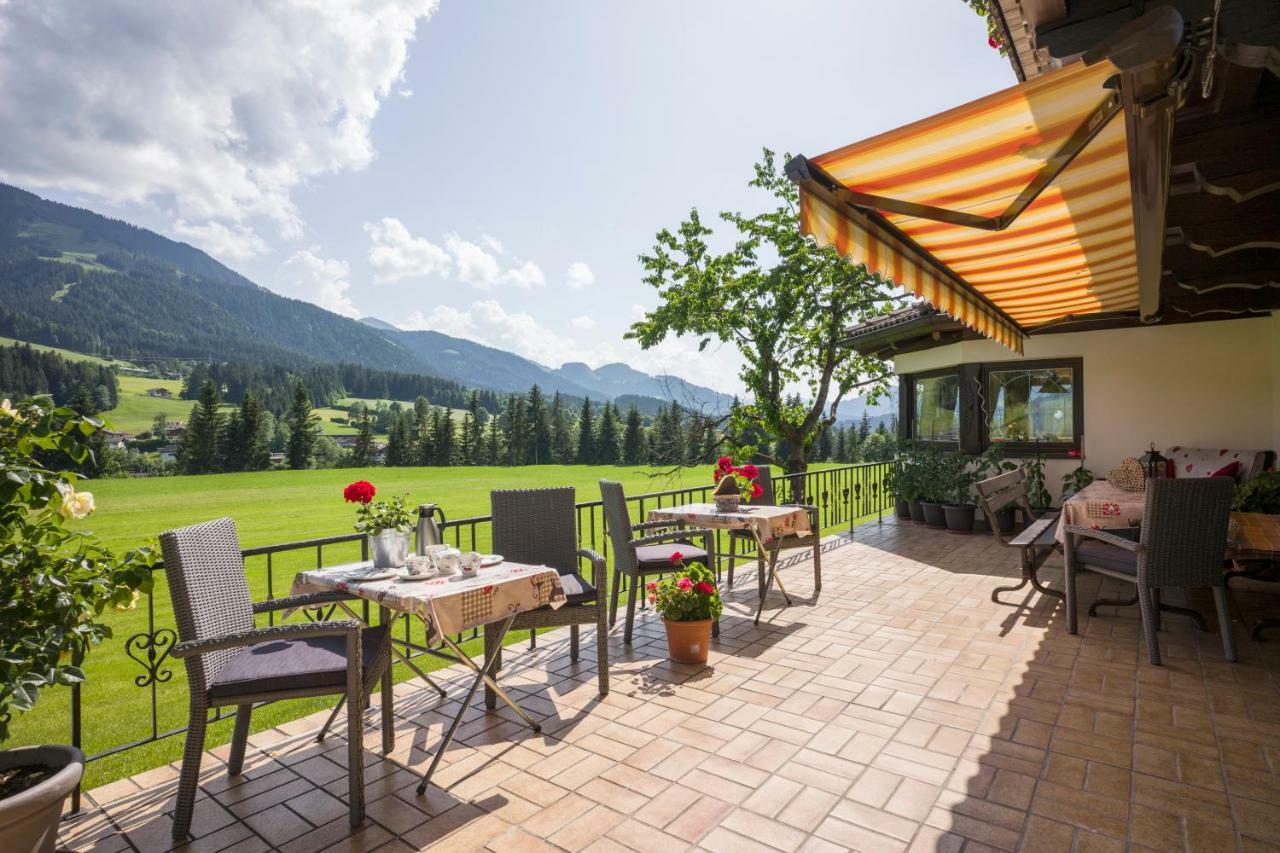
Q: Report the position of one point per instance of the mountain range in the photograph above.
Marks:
(76, 279)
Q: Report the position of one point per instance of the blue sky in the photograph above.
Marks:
(488, 169)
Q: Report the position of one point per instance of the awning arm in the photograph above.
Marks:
(804, 173)
(1153, 77)
(1090, 127)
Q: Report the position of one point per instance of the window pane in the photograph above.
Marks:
(937, 415)
(1031, 405)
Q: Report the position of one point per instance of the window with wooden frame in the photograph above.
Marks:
(1024, 406)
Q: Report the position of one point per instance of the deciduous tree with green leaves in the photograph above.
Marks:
(782, 301)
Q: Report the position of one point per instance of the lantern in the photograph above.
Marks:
(1154, 464)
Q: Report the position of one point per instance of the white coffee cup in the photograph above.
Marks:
(470, 561)
(418, 565)
(446, 561)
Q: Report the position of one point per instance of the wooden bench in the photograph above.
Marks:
(1035, 542)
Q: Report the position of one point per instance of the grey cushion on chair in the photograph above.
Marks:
(1094, 553)
(294, 665)
(652, 555)
(576, 588)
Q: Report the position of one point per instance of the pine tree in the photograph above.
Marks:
(586, 435)
(517, 431)
(607, 437)
(561, 437)
(633, 438)
(667, 441)
(825, 444)
(539, 428)
(424, 429)
(472, 440)
(444, 438)
(255, 435)
(362, 452)
(198, 451)
(493, 444)
(842, 448)
(399, 449)
(304, 427)
(864, 428)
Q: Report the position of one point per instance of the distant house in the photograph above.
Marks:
(159, 392)
(346, 442)
(174, 429)
(115, 439)
(277, 458)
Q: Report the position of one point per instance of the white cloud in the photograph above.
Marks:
(394, 253)
(322, 281)
(584, 322)
(493, 243)
(476, 265)
(638, 311)
(579, 276)
(526, 276)
(214, 115)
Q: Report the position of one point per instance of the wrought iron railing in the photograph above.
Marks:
(843, 495)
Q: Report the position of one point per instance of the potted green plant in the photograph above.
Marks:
(1037, 495)
(959, 509)
(689, 603)
(933, 486)
(1075, 480)
(386, 523)
(1259, 494)
(54, 586)
(893, 484)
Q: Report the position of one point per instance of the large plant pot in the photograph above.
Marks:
(916, 510)
(933, 515)
(389, 549)
(959, 517)
(901, 507)
(1006, 519)
(29, 820)
(688, 642)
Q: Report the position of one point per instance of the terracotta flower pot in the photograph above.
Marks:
(688, 642)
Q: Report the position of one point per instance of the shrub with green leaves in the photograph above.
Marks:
(54, 583)
(1259, 494)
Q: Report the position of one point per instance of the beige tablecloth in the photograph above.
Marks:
(1101, 505)
(768, 522)
(446, 605)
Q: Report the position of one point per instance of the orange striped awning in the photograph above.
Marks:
(1005, 213)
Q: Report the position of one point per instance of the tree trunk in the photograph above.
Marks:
(797, 463)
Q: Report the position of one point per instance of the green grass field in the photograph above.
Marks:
(269, 507)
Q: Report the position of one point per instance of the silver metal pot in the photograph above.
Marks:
(389, 549)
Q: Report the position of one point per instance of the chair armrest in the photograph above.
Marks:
(597, 561)
(1103, 536)
(291, 602)
(683, 533)
(298, 631)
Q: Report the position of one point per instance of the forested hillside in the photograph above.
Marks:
(27, 372)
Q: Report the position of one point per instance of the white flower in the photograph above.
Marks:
(76, 504)
(7, 410)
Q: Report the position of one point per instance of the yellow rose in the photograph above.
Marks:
(7, 409)
(133, 602)
(76, 504)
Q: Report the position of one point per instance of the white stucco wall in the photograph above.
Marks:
(1196, 384)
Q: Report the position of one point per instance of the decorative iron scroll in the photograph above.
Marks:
(151, 650)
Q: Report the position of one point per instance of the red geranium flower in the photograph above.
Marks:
(359, 492)
(704, 588)
(1073, 454)
(756, 490)
(749, 471)
(675, 558)
(716, 475)
(725, 464)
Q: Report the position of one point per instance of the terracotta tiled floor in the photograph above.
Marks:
(900, 710)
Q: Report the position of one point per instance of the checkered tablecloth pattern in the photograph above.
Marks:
(1101, 505)
(446, 605)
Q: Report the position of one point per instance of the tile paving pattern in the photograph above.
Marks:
(903, 710)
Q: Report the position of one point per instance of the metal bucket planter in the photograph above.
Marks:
(389, 549)
(29, 820)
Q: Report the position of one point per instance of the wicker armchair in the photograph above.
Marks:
(538, 526)
(648, 555)
(231, 662)
(813, 539)
(1182, 543)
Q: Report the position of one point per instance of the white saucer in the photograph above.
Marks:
(488, 560)
(374, 575)
(404, 577)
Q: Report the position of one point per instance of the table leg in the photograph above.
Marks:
(771, 577)
(388, 727)
(482, 677)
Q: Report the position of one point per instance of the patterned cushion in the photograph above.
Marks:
(651, 556)
(1202, 462)
(293, 665)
